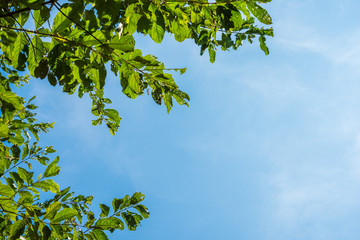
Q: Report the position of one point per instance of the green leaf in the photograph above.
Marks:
(46, 232)
(52, 79)
(236, 18)
(47, 185)
(98, 76)
(19, 44)
(181, 31)
(36, 53)
(52, 169)
(42, 70)
(96, 38)
(25, 151)
(26, 198)
(132, 18)
(11, 98)
(61, 21)
(142, 210)
(4, 130)
(212, 53)
(9, 206)
(99, 234)
(25, 175)
(52, 210)
(106, 223)
(41, 16)
(263, 46)
(17, 229)
(157, 33)
(125, 43)
(104, 210)
(6, 191)
(116, 204)
(242, 6)
(65, 214)
(261, 14)
(134, 82)
(113, 115)
(24, 16)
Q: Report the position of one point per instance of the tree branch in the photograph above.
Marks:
(10, 14)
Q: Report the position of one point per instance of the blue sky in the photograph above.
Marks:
(268, 149)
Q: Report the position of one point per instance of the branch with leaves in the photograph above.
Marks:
(74, 44)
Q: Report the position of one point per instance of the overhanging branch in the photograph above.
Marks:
(10, 14)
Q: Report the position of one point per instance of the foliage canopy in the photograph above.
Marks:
(73, 44)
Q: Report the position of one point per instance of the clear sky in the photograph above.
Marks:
(269, 148)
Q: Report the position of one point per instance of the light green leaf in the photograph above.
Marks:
(134, 82)
(212, 53)
(181, 31)
(106, 223)
(156, 33)
(11, 98)
(98, 76)
(260, 13)
(96, 38)
(52, 169)
(112, 114)
(132, 18)
(242, 6)
(41, 16)
(25, 175)
(52, 210)
(25, 151)
(26, 198)
(125, 43)
(6, 191)
(47, 185)
(236, 18)
(64, 214)
(19, 44)
(36, 53)
(4, 130)
(61, 21)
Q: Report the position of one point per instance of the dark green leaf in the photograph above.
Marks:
(41, 71)
(17, 229)
(263, 45)
(99, 234)
(104, 210)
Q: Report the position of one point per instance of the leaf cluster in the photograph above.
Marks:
(75, 47)
(26, 171)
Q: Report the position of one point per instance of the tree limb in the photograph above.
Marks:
(10, 14)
